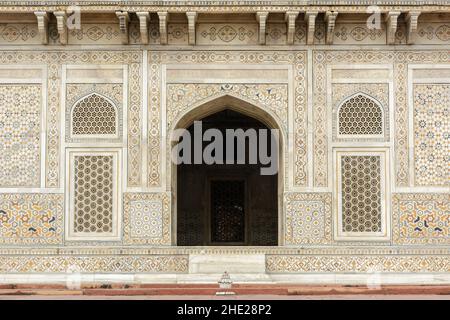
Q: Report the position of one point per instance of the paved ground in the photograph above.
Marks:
(242, 297)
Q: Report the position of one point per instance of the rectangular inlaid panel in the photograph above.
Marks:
(421, 218)
(147, 219)
(361, 193)
(431, 134)
(93, 194)
(20, 129)
(31, 218)
(308, 218)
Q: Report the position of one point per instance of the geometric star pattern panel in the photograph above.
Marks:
(20, 129)
(361, 194)
(93, 194)
(31, 218)
(421, 218)
(360, 115)
(308, 218)
(94, 115)
(432, 134)
(146, 219)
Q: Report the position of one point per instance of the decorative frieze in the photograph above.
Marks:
(227, 33)
(276, 33)
(433, 33)
(94, 264)
(358, 33)
(96, 34)
(357, 263)
(19, 33)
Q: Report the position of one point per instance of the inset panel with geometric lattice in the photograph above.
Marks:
(94, 115)
(94, 194)
(362, 194)
(228, 211)
(360, 115)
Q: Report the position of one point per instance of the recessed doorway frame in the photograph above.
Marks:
(238, 104)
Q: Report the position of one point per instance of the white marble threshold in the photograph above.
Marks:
(369, 279)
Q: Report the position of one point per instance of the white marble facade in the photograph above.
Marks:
(94, 108)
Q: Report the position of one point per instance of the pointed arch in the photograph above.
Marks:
(214, 105)
(94, 115)
(227, 101)
(360, 115)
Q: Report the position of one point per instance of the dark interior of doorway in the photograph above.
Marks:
(226, 204)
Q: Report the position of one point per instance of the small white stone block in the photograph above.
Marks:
(206, 263)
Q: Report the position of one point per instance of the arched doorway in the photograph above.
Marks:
(227, 204)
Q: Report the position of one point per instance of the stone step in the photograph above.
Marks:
(212, 289)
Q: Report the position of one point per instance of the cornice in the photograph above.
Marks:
(227, 2)
(224, 5)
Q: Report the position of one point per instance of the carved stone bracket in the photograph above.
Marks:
(261, 17)
(310, 18)
(391, 26)
(42, 20)
(144, 18)
(330, 20)
(124, 19)
(290, 18)
(412, 19)
(163, 19)
(192, 19)
(61, 25)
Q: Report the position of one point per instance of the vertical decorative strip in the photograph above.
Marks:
(401, 122)
(134, 120)
(300, 122)
(53, 116)
(319, 120)
(154, 124)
